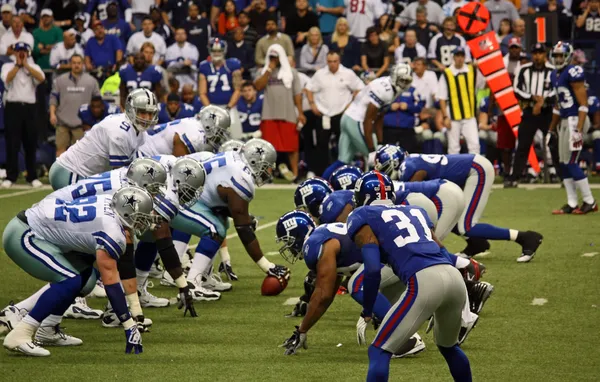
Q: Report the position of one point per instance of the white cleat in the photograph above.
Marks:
(81, 310)
(10, 317)
(413, 346)
(54, 336)
(466, 329)
(199, 293)
(215, 283)
(167, 280)
(156, 271)
(98, 291)
(148, 300)
(20, 342)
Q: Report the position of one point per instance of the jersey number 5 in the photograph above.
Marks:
(405, 223)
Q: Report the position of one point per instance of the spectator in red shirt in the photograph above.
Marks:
(228, 18)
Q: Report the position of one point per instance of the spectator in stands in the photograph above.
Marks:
(374, 54)
(423, 28)
(259, 15)
(443, 44)
(147, 34)
(329, 92)
(272, 37)
(198, 30)
(174, 109)
(20, 77)
(314, 54)
(14, 35)
(298, 23)
(411, 49)
(95, 111)
(504, 29)
(347, 46)
(182, 59)
(250, 34)
(97, 8)
(139, 75)
(499, 10)
(512, 60)
(173, 85)
(83, 33)
(449, 8)
(228, 20)
(304, 78)
(400, 121)
(179, 11)
(565, 19)
(7, 16)
(282, 105)
(149, 53)
(60, 57)
(26, 10)
(102, 51)
(329, 12)
(64, 11)
(69, 92)
(115, 24)
(45, 37)
(434, 13)
(240, 49)
(424, 81)
(518, 31)
(385, 28)
(160, 27)
(250, 107)
(588, 23)
(141, 9)
(190, 97)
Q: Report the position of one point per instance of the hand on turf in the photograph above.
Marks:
(186, 301)
(253, 222)
(134, 340)
(295, 342)
(279, 271)
(299, 310)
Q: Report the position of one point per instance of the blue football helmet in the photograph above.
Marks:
(374, 188)
(293, 229)
(561, 54)
(345, 177)
(310, 194)
(388, 158)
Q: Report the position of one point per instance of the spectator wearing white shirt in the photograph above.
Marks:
(329, 92)
(411, 48)
(60, 56)
(140, 9)
(362, 15)
(7, 16)
(313, 55)
(26, 11)
(83, 33)
(451, 6)
(16, 34)
(408, 16)
(424, 81)
(182, 58)
(147, 34)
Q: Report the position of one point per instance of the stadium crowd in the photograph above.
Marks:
(86, 56)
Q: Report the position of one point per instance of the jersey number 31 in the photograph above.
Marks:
(406, 223)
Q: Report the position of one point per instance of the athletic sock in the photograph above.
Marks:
(59, 294)
(30, 301)
(584, 188)
(488, 231)
(379, 364)
(141, 278)
(571, 192)
(180, 241)
(52, 320)
(224, 253)
(461, 262)
(458, 363)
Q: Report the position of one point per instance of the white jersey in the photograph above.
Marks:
(362, 14)
(138, 39)
(174, 60)
(379, 92)
(110, 143)
(226, 170)
(160, 139)
(84, 225)
(167, 204)
(106, 183)
(61, 55)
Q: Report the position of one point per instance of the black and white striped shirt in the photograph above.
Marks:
(530, 81)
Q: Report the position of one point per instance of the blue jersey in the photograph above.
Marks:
(409, 118)
(185, 111)
(85, 113)
(349, 258)
(219, 82)
(101, 5)
(250, 113)
(452, 167)
(484, 107)
(561, 81)
(593, 106)
(429, 188)
(120, 29)
(145, 79)
(404, 236)
(333, 205)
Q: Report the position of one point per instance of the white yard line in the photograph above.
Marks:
(28, 187)
(539, 301)
(30, 191)
(495, 186)
(233, 235)
(590, 254)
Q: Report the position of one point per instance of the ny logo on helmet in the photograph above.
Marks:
(131, 202)
(345, 181)
(306, 190)
(290, 224)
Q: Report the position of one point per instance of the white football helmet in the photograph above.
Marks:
(141, 101)
(188, 179)
(216, 122)
(260, 156)
(231, 145)
(133, 205)
(147, 173)
(401, 76)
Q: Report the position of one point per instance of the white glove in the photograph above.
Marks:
(371, 159)
(361, 331)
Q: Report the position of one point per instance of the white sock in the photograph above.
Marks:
(462, 262)
(199, 264)
(224, 253)
(30, 301)
(30, 321)
(513, 234)
(209, 268)
(24, 330)
(52, 320)
(141, 278)
(571, 192)
(180, 247)
(466, 316)
(586, 192)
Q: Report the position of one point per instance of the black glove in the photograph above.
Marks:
(253, 222)
(186, 300)
(295, 342)
(280, 271)
(299, 310)
(141, 324)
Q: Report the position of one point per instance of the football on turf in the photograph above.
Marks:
(272, 286)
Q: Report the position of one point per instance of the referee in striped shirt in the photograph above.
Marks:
(532, 88)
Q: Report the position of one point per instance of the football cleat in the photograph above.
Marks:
(465, 330)
(167, 280)
(215, 283)
(55, 336)
(228, 271)
(530, 241)
(148, 300)
(586, 208)
(81, 310)
(199, 293)
(478, 295)
(156, 271)
(413, 346)
(430, 325)
(475, 247)
(564, 210)
(342, 290)
(28, 348)
(10, 317)
(473, 272)
(98, 290)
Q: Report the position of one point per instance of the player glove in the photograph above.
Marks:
(253, 222)
(139, 320)
(361, 330)
(186, 301)
(134, 340)
(299, 310)
(576, 140)
(295, 342)
(279, 271)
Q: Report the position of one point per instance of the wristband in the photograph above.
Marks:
(181, 282)
(264, 264)
(584, 109)
(128, 324)
(134, 304)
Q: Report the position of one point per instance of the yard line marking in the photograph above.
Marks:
(272, 253)
(28, 187)
(590, 254)
(291, 301)
(31, 191)
(539, 301)
(233, 235)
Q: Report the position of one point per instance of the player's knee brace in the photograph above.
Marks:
(575, 171)
(209, 245)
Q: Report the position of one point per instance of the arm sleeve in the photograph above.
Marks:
(372, 279)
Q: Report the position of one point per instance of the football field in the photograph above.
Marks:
(542, 322)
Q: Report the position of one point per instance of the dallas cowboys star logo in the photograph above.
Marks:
(188, 172)
(260, 150)
(131, 201)
(150, 172)
(212, 116)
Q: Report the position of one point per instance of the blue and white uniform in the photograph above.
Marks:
(219, 81)
(160, 138)
(185, 111)
(87, 118)
(250, 113)
(174, 59)
(145, 79)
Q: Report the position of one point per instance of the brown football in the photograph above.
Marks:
(271, 286)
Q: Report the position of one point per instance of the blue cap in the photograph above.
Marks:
(458, 50)
(22, 46)
(334, 204)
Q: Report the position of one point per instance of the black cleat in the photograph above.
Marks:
(478, 295)
(564, 210)
(228, 271)
(473, 272)
(465, 330)
(475, 246)
(530, 241)
(586, 208)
